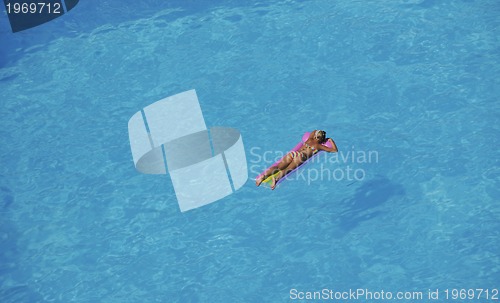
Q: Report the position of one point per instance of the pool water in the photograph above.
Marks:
(414, 84)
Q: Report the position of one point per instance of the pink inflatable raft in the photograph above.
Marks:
(267, 182)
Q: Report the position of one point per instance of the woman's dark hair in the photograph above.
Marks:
(321, 136)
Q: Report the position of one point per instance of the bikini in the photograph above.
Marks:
(311, 147)
(301, 154)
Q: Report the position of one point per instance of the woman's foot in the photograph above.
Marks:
(259, 180)
(273, 184)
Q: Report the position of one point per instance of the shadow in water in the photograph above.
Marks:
(363, 205)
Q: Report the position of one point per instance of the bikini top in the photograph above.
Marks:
(308, 146)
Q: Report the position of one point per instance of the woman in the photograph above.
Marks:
(295, 158)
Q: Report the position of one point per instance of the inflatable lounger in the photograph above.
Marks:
(267, 182)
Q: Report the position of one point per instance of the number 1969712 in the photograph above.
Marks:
(34, 8)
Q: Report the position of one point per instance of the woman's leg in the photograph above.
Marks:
(271, 170)
(283, 164)
(291, 166)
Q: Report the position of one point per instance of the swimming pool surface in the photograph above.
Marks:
(416, 83)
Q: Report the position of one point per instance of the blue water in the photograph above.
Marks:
(416, 82)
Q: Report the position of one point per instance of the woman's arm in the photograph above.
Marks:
(332, 149)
